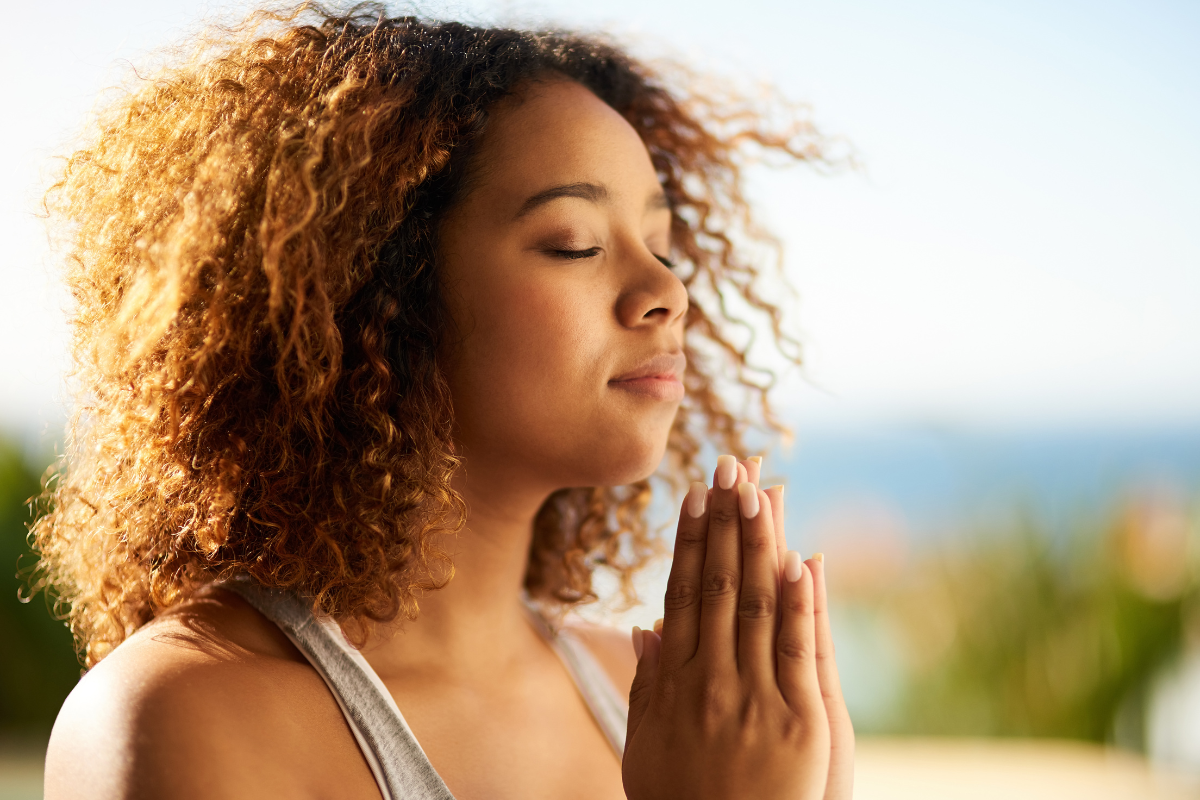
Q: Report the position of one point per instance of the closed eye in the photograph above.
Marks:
(574, 254)
(594, 251)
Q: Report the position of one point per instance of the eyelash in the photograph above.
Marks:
(574, 254)
(592, 251)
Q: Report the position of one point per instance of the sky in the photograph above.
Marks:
(1021, 247)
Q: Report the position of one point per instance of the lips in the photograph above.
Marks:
(659, 378)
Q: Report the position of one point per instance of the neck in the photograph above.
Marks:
(476, 618)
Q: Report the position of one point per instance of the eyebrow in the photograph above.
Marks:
(592, 192)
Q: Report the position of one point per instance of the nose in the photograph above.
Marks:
(652, 293)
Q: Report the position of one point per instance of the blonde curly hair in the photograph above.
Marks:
(251, 240)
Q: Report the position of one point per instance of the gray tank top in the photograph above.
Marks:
(397, 761)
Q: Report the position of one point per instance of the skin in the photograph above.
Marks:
(555, 304)
(737, 693)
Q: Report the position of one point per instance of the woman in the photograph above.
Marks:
(362, 303)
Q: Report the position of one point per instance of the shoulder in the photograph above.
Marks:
(197, 703)
(611, 647)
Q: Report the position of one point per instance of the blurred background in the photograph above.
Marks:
(998, 426)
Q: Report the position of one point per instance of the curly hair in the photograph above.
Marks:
(251, 241)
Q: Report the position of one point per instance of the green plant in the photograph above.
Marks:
(38, 665)
(1014, 631)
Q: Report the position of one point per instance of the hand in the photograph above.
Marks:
(739, 696)
(840, 785)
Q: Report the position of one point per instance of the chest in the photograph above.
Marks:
(526, 737)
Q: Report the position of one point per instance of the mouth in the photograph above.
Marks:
(658, 378)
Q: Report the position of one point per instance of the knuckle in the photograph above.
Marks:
(720, 584)
(794, 603)
(752, 712)
(680, 595)
(715, 700)
(723, 516)
(757, 543)
(756, 606)
(794, 648)
(691, 538)
(796, 728)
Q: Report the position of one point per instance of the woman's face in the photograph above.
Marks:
(567, 368)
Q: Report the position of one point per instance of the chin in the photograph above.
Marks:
(622, 459)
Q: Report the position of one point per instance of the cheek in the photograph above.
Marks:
(531, 385)
(531, 351)
(538, 335)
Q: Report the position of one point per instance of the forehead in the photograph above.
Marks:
(557, 131)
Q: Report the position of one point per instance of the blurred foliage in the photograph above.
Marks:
(38, 665)
(1014, 630)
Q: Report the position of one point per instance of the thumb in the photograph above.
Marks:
(646, 645)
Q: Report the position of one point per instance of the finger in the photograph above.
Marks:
(658, 626)
(647, 647)
(776, 495)
(722, 570)
(796, 648)
(681, 603)
(841, 728)
(758, 601)
(827, 674)
(753, 466)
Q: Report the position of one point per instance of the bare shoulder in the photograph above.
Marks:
(208, 700)
(612, 648)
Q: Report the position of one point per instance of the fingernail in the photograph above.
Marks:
(637, 642)
(748, 499)
(755, 459)
(697, 499)
(726, 471)
(793, 566)
(819, 557)
(779, 488)
(658, 626)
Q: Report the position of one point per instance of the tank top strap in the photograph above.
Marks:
(609, 708)
(400, 766)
